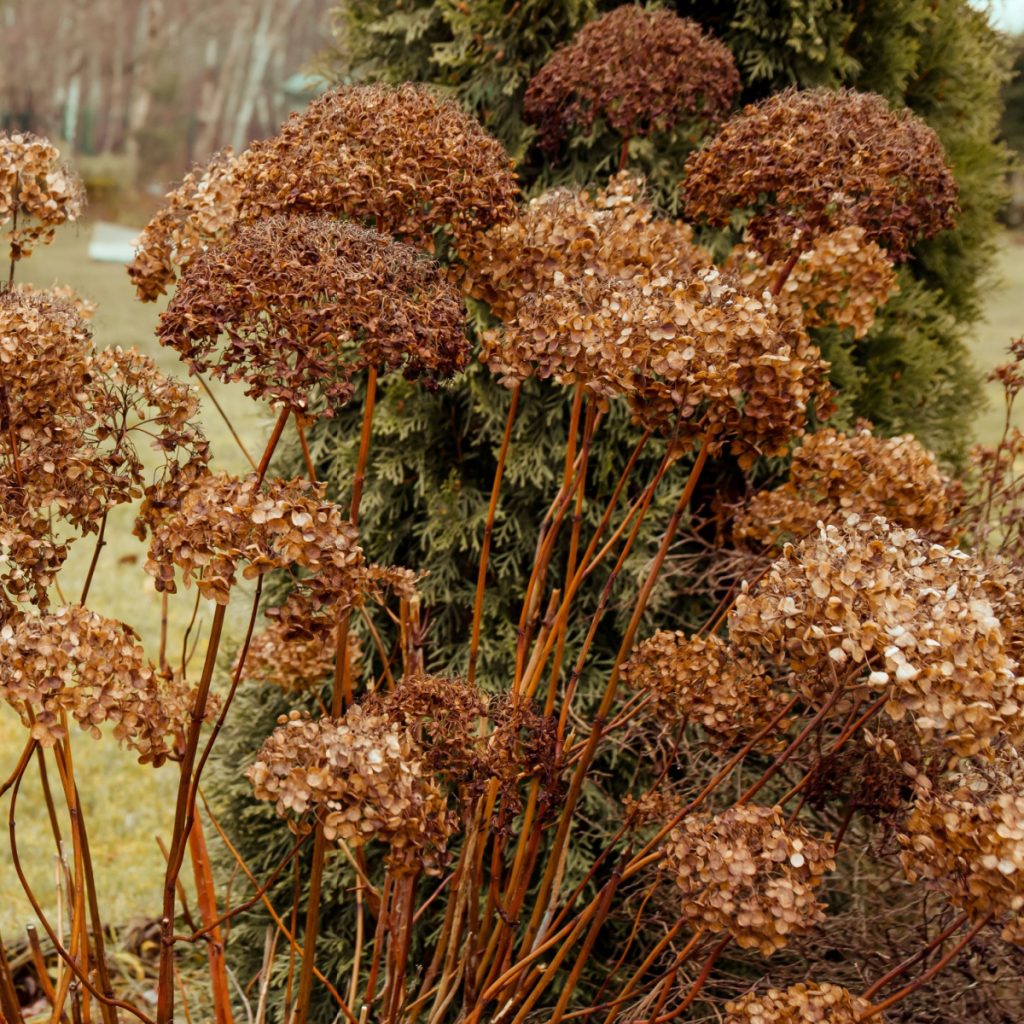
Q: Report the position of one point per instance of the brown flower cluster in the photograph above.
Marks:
(399, 158)
(967, 836)
(469, 740)
(363, 776)
(74, 662)
(704, 681)
(208, 525)
(805, 1003)
(37, 193)
(640, 71)
(748, 873)
(826, 159)
(691, 356)
(200, 212)
(296, 662)
(568, 233)
(68, 451)
(84, 307)
(297, 306)
(833, 474)
(840, 281)
(868, 604)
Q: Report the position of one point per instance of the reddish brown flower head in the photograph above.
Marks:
(36, 190)
(749, 873)
(567, 233)
(811, 162)
(640, 71)
(689, 354)
(705, 682)
(833, 474)
(298, 306)
(200, 212)
(398, 158)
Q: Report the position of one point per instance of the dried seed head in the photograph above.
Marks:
(297, 661)
(689, 354)
(840, 281)
(834, 474)
(84, 307)
(72, 661)
(879, 608)
(208, 525)
(37, 193)
(967, 836)
(748, 873)
(363, 776)
(705, 682)
(569, 233)
(200, 212)
(640, 71)
(825, 159)
(74, 416)
(399, 158)
(805, 1003)
(304, 304)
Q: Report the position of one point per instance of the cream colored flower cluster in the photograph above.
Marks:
(870, 604)
(966, 834)
(748, 873)
(362, 775)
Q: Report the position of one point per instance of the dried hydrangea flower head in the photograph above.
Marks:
(639, 71)
(826, 159)
(83, 306)
(398, 158)
(364, 778)
(881, 609)
(468, 740)
(567, 233)
(706, 682)
(304, 304)
(833, 474)
(748, 873)
(296, 662)
(200, 212)
(804, 1003)
(967, 835)
(208, 525)
(690, 354)
(74, 662)
(68, 453)
(840, 281)
(37, 193)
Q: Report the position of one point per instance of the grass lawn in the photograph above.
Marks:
(127, 805)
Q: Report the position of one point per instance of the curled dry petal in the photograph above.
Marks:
(805, 1003)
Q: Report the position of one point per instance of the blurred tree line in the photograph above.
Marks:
(138, 90)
